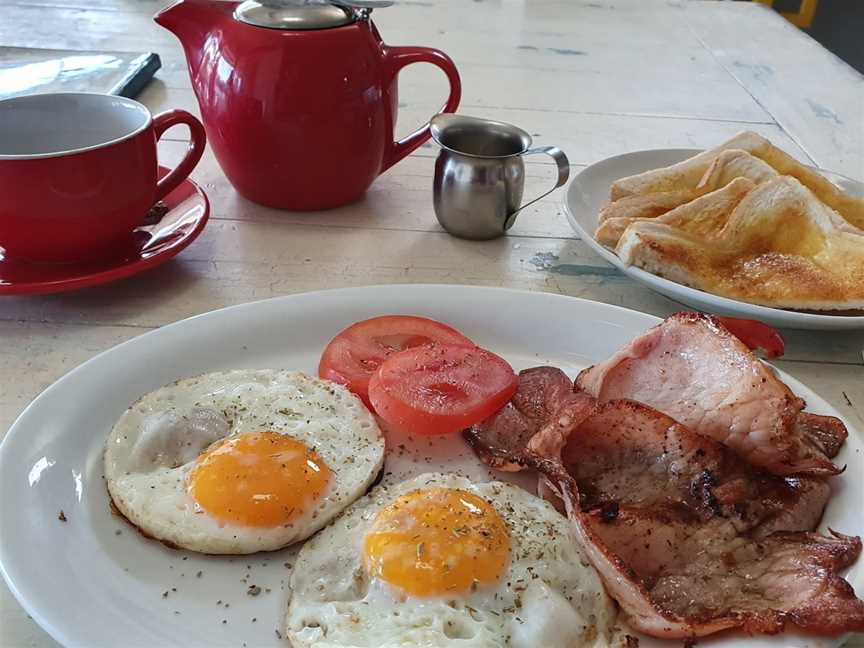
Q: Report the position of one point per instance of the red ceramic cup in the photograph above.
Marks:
(78, 173)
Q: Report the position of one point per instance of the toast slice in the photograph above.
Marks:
(728, 165)
(736, 163)
(686, 174)
(689, 173)
(774, 244)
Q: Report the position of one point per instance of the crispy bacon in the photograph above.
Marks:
(629, 454)
(689, 539)
(500, 439)
(691, 368)
(825, 432)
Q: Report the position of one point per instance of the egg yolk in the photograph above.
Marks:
(258, 479)
(437, 542)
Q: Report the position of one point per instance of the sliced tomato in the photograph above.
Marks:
(756, 335)
(441, 389)
(353, 356)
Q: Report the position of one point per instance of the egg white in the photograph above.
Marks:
(549, 595)
(154, 444)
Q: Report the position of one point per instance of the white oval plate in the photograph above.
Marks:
(589, 191)
(88, 585)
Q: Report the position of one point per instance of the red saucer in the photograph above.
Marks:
(150, 246)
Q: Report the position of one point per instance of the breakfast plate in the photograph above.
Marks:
(589, 191)
(89, 579)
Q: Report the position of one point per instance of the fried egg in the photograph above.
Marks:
(440, 561)
(241, 461)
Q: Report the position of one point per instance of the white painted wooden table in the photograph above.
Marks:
(595, 77)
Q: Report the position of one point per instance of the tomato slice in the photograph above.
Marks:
(755, 335)
(353, 356)
(441, 389)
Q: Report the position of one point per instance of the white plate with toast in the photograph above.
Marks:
(590, 191)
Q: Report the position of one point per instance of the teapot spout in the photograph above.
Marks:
(191, 21)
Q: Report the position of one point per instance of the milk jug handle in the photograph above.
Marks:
(563, 175)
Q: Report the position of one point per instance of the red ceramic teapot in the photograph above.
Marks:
(299, 99)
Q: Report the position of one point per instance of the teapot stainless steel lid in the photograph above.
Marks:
(305, 14)
(294, 14)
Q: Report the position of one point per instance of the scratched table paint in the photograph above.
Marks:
(596, 78)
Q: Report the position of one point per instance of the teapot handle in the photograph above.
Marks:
(394, 59)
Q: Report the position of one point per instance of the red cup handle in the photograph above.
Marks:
(394, 59)
(198, 139)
